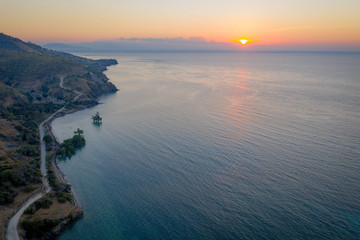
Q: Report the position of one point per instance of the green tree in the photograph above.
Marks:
(47, 139)
(96, 118)
(69, 146)
(79, 131)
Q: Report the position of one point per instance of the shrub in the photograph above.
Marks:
(7, 196)
(11, 176)
(29, 150)
(43, 203)
(47, 139)
(61, 199)
(29, 188)
(29, 210)
(38, 228)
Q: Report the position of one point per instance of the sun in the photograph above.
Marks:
(244, 41)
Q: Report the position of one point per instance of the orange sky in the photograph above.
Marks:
(276, 22)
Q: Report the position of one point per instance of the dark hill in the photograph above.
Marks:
(36, 71)
(11, 43)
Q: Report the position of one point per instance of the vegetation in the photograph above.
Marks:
(96, 118)
(62, 197)
(29, 210)
(18, 66)
(22, 64)
(38, 228)
(51, 174)
(47, 139)
(20, 164)
(29, 188)
(29, 150)
(29, 93)
(45, 203)
(7, 194)
(69, 146)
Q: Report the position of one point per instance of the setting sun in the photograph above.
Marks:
(244, 41)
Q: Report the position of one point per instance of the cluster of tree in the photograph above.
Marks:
(51, 174)
(63, 196)
(20, 167)
(69, 146)
(27, 132)
(48, 141)
(38, 228)
(7, 194)
(44, 203)
(29, 150)
(17, 175)
(27, 112)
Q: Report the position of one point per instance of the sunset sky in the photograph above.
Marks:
(276, 22)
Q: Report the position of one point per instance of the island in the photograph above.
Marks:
(36, 86)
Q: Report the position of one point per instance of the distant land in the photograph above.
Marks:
(35, 83)
(195, 44)
(144, 45)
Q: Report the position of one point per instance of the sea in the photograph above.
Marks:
(220, 146)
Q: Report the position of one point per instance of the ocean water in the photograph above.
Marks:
(220, 146)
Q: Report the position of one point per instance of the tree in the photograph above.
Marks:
(96, 118)
(79, 131)
(69, 146)
(47, 139)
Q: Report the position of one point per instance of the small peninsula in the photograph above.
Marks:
(36, 86)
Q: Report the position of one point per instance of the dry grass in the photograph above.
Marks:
(77, 84)
(7, 128)
(7, 131)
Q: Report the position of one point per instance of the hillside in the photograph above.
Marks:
(36, 71)
(29, 92)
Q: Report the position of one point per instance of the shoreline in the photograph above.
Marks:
(61, 177)
(16, 232)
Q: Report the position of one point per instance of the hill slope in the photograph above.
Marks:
(29, 93)
(36, 71)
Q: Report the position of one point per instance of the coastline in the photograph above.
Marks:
(58, 173)
(60, 176)
(45, 190)
(33, 97)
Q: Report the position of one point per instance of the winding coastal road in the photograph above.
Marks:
(11, 231)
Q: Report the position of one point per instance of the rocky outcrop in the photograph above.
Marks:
(63, 223)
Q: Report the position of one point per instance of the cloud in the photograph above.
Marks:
(180, 44)
(146, 44)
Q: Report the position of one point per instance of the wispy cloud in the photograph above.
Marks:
(295, 28)
(148, 44)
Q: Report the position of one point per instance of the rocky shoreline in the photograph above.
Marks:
(77, 213)
(66, 214)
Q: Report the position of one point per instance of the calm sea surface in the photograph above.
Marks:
(221, 146)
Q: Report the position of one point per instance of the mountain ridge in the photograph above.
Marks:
(36, 70)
